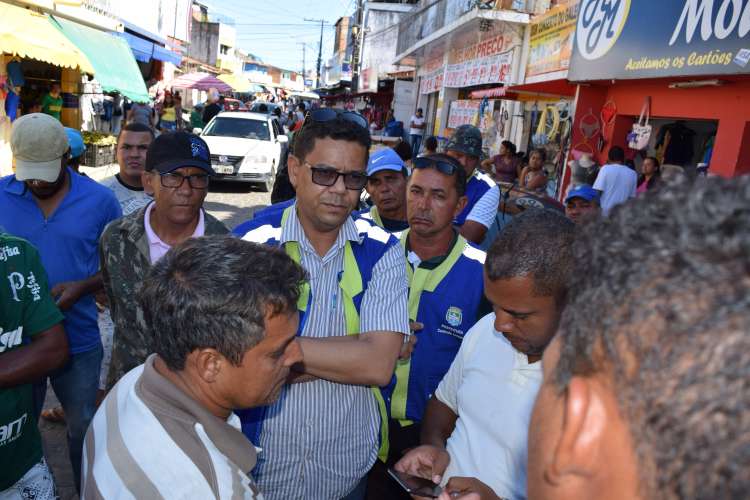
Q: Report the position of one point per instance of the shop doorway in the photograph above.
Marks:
(684, 143)
(430, 114)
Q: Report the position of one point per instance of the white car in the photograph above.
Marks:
(246, 147)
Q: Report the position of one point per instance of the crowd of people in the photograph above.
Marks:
(323, 349)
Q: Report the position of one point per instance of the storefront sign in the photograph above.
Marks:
(463, 112)
(622, 39)
(551, 41)
(488, 61)
(432, 82)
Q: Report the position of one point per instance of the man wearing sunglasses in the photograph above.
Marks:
(446, 298)
(482, 193)
(322, 437)
(177, 172)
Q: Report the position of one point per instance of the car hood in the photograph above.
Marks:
(235, 146)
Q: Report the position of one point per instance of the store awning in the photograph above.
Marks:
(560, 87)
(26, 33)
(166, 55)
(493, 92)
(114, 65)
(142, 49)
(200, 81)
(237, 82)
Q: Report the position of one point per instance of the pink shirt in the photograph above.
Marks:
(157, 248)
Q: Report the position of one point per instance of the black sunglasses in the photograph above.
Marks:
(441, 166)
(327, 176)
(322, 115)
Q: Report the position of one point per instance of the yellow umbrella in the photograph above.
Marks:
(237, 82)
(29, 34)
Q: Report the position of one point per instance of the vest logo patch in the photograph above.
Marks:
(454, 316)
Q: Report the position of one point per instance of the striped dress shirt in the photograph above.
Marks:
(321, 438)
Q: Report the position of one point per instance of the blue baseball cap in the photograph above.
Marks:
(385, 159)
(584, 191)
(75, 141)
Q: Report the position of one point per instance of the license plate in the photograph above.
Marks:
(224, 169)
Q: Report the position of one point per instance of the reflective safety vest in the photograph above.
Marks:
(478, 184)
(359, 260)
(447, 301)
(373, 215)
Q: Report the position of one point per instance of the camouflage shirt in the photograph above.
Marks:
(125, 260)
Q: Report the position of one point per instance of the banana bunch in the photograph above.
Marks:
(98, 139)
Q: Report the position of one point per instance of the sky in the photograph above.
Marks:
(275, 30)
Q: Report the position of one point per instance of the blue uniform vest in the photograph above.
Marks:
(448, 306)
(374, 243)
(477, 185)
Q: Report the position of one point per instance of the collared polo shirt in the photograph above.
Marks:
(156, 247)
(149, 439)
(67, 242)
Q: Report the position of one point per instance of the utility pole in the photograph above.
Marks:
(320, 48)
(358, 33)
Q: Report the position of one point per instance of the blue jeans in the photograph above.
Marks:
(416, 144)
(75, 385)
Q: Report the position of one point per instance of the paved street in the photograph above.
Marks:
(232, 204)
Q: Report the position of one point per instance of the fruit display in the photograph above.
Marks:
(98, 139)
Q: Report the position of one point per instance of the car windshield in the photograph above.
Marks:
(239, 127)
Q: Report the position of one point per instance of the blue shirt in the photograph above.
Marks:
(68, 242)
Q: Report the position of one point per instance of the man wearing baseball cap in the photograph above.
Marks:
(63, 215)
(386, 184)
(582, 203)
(481, 191)
(177, 172)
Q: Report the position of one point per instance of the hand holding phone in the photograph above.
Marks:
(414, 485)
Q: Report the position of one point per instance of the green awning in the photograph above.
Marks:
(114, 65)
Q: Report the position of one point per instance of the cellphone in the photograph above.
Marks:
(415, 485)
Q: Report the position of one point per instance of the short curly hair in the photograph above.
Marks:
(538, 243)
(660, 302)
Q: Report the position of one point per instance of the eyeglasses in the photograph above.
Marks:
(441, 166)
(174, 180)
(322, 115)
(327, 176)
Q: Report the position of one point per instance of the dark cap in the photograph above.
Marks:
(174, 150)
(467, 139)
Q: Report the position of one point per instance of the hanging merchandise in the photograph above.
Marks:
(548, 127)
(15, 73)
(12, 100)
(589, 125)
(608, 115)
(639, 136)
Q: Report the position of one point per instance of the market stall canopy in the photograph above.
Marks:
(237, 82)
(26, 33)
(144, 51)
(200, 81)
(305, 95)
(114, 65)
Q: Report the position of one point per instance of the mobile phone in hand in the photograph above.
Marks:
(415, 485)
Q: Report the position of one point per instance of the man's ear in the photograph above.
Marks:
(208, 363)
(462, 201)
(146, 178)
(579, 451)
(293, 166)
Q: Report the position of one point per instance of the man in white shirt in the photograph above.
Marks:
(616, 182)
(416, 131)
(475, 426)
(167, 429)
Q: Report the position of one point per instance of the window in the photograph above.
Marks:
(239, 127)
(224, 49)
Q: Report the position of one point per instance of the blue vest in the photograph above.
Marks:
(448, 306)
(266, 229)
(477, 185)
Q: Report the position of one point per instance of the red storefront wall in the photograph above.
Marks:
(729, 104)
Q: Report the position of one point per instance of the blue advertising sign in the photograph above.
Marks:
(626, 39)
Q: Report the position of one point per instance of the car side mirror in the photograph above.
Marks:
(282, 139)
(197, 130)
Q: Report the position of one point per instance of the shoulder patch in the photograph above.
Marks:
(474, 254)
(263, 234)
(486, 179)
(372, 231)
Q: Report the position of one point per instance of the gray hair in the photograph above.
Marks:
(215, 292)
(536, 243)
